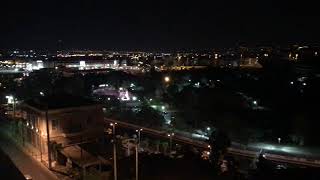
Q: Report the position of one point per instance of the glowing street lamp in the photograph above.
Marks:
(167, 79)
(139, 134)
(170, 137)
(41, 93)
(255, 102)
(10, 99)
(279, 140)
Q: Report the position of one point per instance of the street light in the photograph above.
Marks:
(137, 153)
(279, 140)
(167, 79)
(255, 102)
(139, 134)
(114, 150)
(170, 137)
(12, 100)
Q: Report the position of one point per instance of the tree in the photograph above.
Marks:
(219, 142)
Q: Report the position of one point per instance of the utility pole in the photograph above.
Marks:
(40, 141)
(137, 162)
(170, 142)
(137, 153)
(139, 135)
(114, 150)
(14, 108)
(48, 138)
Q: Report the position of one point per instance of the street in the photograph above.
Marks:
(25, 163)
(234, 149)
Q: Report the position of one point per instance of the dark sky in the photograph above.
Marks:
(155, 24)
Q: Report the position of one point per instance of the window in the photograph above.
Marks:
(89, 120)
(54, 124)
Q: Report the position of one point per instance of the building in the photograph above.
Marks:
(70, 120)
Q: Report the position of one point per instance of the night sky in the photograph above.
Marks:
(156, 24)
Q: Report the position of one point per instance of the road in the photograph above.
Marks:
(234, 149)
(25, 163)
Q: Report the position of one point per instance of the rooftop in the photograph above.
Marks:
(59, 102)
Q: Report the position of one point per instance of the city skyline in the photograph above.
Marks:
(111, 89)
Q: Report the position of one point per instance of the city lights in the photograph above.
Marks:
(255, 102)
(162, 85)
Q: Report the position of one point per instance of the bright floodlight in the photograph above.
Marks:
(10, 99)
(255, 102)
(162, 107)
(167, 79)
(208, 128)
(41, 93)
(134, 98)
